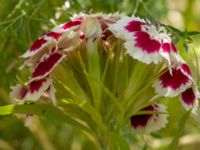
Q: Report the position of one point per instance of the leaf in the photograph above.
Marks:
(93, 59)
(182, 34)
(122, 144)
(77, 112)
(94, 114)
(6, 110)
(88, 145)
(193, 33)
(44, 110)
(175, 30)
(179, 131)
(67, 81)
(117, 142)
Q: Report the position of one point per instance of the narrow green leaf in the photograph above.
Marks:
(45, 110)
(175, 30)
(6, 110)
(193, 33)
(179, 131)
(94, 71)
(94, 114)
(121, 143)
(49, 112)
(77, 112)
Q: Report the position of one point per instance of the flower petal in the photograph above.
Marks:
(150, 122)
(37, 46)
(189, 99)
(175, 56)
(52, 35)
(142, 47)
(172, 84)
(165, 53)
(91, 29)
(69, 41)
(126, 25)
(18, 92)
(46, 65)
(67, 26)
(37, 89)
(51, 93)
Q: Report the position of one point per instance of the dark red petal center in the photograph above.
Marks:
(23, 92)
(143, 41)
(54, 35)
(174, 48)
(46, 65)
(70, 24)
(188, 96)
(186, 69)
(175, 80)
(134, 26)
(141, 120)
(37, 44)
(36, 85)
(166, 47)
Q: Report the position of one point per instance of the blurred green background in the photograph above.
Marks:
(22, 21)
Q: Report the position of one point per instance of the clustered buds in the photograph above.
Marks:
(142, 41)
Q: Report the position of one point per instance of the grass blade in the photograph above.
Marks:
(181, 125)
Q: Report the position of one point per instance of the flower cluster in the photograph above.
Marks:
(142, 41)
(151, 44)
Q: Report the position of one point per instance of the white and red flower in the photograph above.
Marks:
(34, 90)
(51, 48)
(126, 25)
(142, 41)
(189, 99)
(37, 88)
(173, 83)
(146, 123)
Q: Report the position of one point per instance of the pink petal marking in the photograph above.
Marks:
(165, 52)
(185, 69)
(53, 35)
(126, 25)
(38, 44)
(166, 47)
(82, 36)
(170, 53)
(134, 25)
(70, 24)
(36, 85)
(142, 47)
(145, 43)
(43, 41)
(172, 84)
(45, 67)
(150, 122)
(189, 99)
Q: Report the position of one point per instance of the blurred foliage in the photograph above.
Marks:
(22, 21)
